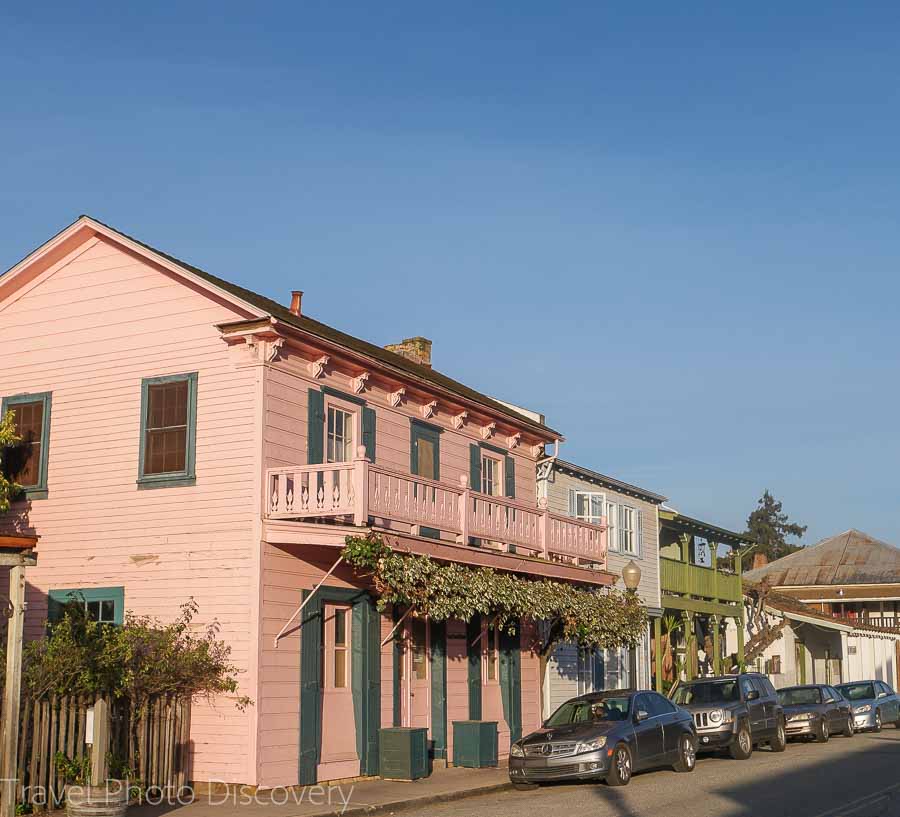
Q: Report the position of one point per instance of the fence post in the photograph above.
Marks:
(545, 527)
(100, 747)
(12, 694)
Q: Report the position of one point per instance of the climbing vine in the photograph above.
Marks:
(604, 618)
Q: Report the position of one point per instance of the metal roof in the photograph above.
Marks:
(851, 557)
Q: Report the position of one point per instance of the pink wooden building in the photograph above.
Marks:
(187, 437)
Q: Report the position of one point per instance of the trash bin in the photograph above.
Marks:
(475, 744)
(403, 753)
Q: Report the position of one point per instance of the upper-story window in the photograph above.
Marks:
(589, 506)
(26, 462)
(339, 445)
(168, 430)
(491, 474)
(629, 530)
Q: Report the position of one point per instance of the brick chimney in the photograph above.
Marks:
(417, 349)
(296, 301)
(759, 560)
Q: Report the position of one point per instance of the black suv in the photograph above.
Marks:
(734, 712)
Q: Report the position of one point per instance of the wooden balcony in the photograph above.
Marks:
(683, 579)
(366, 494)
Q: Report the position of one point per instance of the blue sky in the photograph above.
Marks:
(672, 230)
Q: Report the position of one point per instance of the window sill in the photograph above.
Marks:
(166, 481)
(26, 494)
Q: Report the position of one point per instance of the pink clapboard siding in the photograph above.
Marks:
(89, 333)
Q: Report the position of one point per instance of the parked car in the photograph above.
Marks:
(815, 711)
(874, 704)
(734, 713)
(605, 735)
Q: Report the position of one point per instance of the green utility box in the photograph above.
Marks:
(403, 753)
(475, 744)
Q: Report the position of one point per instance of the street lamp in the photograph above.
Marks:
(631, 575)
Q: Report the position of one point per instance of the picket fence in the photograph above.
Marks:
(157, 757)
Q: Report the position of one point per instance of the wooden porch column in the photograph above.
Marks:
(739, 620)
(717, 654)
(690, 646)
(13, 692)
(657, 655)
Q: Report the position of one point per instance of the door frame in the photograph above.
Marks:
(365, 678)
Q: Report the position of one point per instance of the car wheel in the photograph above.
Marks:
(779, 742)
(742, 744)
(620, 766)
(687, 755)
(847, 731)
(822, 733)
(524, 785)
(877, 726)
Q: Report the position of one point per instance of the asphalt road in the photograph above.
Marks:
(847, 777)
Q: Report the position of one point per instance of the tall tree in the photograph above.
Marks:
(770, 528)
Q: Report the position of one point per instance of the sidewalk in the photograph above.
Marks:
(340, 798)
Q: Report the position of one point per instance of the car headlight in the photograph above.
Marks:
(590, 745)
(516, 751)
(716, 716)
(801, 716)
(859, 710)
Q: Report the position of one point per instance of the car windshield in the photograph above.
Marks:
(583, 711)
(799, 696)
(857, 692)
(713, 692)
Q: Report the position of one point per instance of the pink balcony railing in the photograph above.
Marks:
(361, 491)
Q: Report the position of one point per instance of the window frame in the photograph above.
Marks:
(499, 473)
(40, 489)
(58, 598)
(590, 496)
(633, 549)
(170, 479)
(490, 654)
(347, 407)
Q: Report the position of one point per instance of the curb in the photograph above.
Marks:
(424, 800)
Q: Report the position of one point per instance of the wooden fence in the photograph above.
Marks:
(150, 747)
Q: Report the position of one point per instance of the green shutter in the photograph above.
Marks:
(475, 467)
(509, 477)
(439, 688)
(398, 657)
(315, 437)
(368, 432)
(365, 682)
(473, 631)
(310, 691)
(511, 681)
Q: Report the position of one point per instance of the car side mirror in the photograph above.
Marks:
(641, 715)
(882, 694)
(829, 700)
(753, 694)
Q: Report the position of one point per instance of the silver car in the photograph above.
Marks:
(874, 704)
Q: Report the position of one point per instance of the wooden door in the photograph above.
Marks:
(416, 675)
(339, 756)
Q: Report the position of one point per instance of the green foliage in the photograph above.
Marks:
(593, 618)
(140, 659)
(8, 438)
(768, 526)
(73, 770)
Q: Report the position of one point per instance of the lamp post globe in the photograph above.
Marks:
(631, 575)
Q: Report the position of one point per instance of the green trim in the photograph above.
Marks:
(511, 680)
(495, 448)
(175, 478)
(698, 606)
(398, 657)
(341, 395)
(429, 426)
(365, 678)
(425, 431)
(39, 490)
(57, 599)
(473, 655)
(315, 427)
(368, 432)
(439, 688)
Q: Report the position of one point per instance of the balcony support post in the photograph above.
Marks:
(465, 503)
(361, 488)
(717, 656)
(545, 528)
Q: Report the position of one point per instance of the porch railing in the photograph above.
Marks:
(695, 580)
(361, 491)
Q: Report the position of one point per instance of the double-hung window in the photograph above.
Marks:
(168, 431)
(25, 463)
(628, 537)
(340, 434)
(491, 475)
(589, 506)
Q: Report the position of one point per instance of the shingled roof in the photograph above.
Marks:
(851, 557)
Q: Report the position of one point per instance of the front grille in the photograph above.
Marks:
(701, 719)
(556, 749)
(552, 771)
